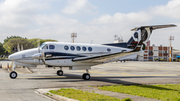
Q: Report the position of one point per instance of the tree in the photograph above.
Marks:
(36, 40)
(2, 50)
(14, 43)
(11, 37)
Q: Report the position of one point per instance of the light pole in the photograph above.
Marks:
(171, 38)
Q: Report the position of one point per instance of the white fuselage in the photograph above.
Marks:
(63, 54)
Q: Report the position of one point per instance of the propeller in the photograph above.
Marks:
(38, 41)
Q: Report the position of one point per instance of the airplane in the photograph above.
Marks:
(81, 56)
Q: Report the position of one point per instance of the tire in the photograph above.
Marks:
(59, 72)
(86, 76)
(13, 75)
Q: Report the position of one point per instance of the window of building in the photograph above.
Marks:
(78, 48)
(66, 47)
(150, 58)
(84, 48)
(160, 51)
(72, 48)
(51, 47)
(90, 49)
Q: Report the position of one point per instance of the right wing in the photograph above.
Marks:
(103, 58)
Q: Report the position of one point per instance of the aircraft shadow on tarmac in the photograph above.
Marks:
(107, 79)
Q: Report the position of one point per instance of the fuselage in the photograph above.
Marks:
(62, 53)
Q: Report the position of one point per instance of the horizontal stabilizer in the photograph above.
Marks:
(154, 27)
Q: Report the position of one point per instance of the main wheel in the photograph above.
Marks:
(59, 72)
(86, 76)
(13, 75)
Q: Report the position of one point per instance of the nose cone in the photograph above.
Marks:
(11, 57)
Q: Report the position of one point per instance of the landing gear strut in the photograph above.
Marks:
(60, 72)
(13, 74)
(86, 76)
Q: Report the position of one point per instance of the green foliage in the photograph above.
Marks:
(13, 43)
(2, 50)
(11, 37)
(83, 96)
(168, 92)
(36, 40)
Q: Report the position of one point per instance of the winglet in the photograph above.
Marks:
(154, 27)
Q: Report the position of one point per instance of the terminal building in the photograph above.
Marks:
(155, 53)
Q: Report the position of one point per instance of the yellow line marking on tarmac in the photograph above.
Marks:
(102, 72)
(127, 74)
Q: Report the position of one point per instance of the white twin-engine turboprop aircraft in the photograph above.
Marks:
(78, 56)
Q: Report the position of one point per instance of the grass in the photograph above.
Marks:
(168, 92)
(84, 96)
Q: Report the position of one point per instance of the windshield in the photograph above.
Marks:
(42, 46)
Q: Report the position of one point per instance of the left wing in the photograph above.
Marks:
(103, 58)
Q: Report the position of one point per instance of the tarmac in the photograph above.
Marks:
(131, 72)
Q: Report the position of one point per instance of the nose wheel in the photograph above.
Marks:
(13, 75)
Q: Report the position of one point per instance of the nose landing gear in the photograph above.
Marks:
(13, 74)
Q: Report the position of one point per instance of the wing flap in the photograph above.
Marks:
(103, 58)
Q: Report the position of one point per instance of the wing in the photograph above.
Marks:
(154, 27)
(104, 58)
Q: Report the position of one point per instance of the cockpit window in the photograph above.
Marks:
(42, 46)
(46, 47)
(51, 46)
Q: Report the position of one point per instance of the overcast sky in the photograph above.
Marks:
(92, 20)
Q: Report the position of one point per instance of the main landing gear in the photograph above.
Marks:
(13, 74)
(60, 72)
(86, 76)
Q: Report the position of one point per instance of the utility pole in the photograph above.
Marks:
(115, 37)
(73, 36)
(171, 38)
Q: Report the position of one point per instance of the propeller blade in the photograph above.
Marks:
(38, 46)
(43, 57)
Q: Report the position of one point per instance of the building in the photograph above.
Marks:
(155, 53)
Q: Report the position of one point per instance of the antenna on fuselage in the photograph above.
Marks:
(91, 41)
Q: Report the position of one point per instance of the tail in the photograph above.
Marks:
(141, 36)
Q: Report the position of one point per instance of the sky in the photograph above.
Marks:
(95, 21)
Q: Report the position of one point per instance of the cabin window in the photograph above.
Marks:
(108, 50)
(66, 47)
(72, 48)
(78, 48)
(90, 49)
(84, 48)
(51, 46)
